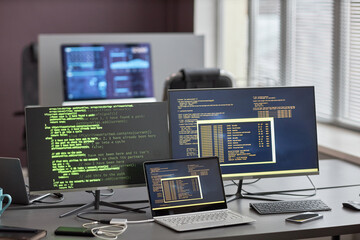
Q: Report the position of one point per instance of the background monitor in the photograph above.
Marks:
(113, 72)
(187, 51)
(94, 146)
(255, 132)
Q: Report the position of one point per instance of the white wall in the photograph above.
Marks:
(224, 24)
(206, 24)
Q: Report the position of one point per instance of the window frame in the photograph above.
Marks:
(340, 50)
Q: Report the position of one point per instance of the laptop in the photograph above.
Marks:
(188, 194)
(13, 183)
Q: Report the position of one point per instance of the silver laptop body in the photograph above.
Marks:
(175, 204)
(175, 221)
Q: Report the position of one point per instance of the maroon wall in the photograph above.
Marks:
(22, 20)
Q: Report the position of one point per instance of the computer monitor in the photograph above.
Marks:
(92, 147)
(255, 132)
(107, 73)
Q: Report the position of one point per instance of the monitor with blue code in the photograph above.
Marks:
(94, 147)
(255, 132)
(112, 72)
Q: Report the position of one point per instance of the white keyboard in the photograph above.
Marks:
(213, 216)
(201, 220)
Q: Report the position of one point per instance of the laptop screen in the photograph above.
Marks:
(185, 185)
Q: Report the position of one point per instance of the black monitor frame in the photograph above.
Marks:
(229, 93)
(111, 153)
(94, 147)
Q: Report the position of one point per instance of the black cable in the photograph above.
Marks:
(108, 194)
(287, 192)
(230, 184)
(104, 221)
(255, 181)
(57, 195)
(103, 194)
(236, 184)
(79, 215)
(248, 183)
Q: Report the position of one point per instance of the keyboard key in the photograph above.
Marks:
(202, 218)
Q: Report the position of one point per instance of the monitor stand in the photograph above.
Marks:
(239, 195)
(97, 203)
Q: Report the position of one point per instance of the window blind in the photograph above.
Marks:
(309, 42)
(266, 44)
(350, 64)
(312, 53)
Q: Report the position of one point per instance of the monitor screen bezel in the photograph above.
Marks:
(262, 174)
(119, 186)
(174, 210)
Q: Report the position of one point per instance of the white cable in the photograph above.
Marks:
(107, 232)
(141, 221)
(111, 232)
(88, 225)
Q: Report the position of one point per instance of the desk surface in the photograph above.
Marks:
(338, 221)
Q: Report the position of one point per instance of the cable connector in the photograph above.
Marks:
(104, 221)
(118, 221)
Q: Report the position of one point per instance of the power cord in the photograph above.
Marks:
(248, 183)
(104, 221)
(107, 232)
(60, 197)
(113, 227)
(287, 192)
(111, 192)
(245, 183)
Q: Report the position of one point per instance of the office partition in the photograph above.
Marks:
(171, 52)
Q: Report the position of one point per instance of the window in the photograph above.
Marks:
(296, 42)
(349, 101)
(305, 31)
(265, 43)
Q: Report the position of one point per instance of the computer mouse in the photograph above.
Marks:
(352, 204)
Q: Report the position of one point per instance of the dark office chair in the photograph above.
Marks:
(29, 80)
(29, 75)
(197, 78)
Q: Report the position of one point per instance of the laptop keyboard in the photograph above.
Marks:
(202, 217)
(290, 206)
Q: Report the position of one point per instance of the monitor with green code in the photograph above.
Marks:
(94, 146)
